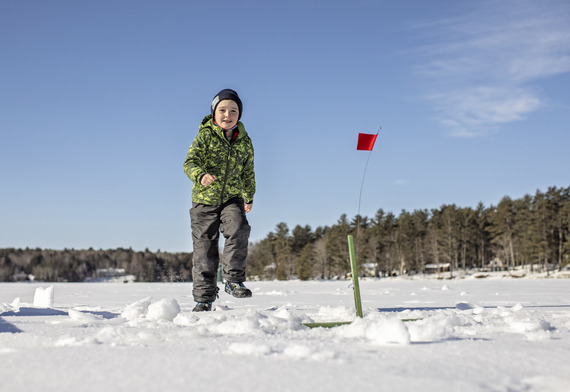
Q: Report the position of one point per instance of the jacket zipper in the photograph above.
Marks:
(226, 173)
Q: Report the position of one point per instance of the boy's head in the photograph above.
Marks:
(223, 95)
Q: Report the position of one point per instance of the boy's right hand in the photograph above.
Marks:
(207, 179)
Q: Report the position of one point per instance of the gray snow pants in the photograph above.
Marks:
(207, 222)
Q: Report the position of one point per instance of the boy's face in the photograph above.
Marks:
(226, 114)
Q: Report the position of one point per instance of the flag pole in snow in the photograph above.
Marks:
(365, 143)
(354, 271)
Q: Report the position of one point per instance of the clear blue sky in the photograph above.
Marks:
(100, 100)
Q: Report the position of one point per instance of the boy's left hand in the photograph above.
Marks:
(248, 207)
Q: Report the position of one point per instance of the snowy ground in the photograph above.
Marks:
(474, 335)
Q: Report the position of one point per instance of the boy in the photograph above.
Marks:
(220, 165)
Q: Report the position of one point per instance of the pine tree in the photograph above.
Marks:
(337, 247)
(282, 252)
(304, 262)
(503, 230)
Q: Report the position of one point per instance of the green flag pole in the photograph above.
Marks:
(354, 271)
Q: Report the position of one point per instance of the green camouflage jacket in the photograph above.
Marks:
(231, 164)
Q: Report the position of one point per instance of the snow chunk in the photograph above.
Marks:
(327, 313)
(43, 297)
(13, 307)
(446, 324)
(380, 330)
(16, 304)
(165, 309)
(184, 320)
(136, 309)
(525, 326)
(239, 326)
(431, 330)
(388, 331)
(81, 317)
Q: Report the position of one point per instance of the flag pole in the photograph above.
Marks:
(351, 246)
(362, 186)
(365, 142)
(354, 271)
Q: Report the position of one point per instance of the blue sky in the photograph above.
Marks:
(100, 100)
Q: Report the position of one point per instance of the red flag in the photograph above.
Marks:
(366, 141)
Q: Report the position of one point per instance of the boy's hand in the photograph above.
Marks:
(207, 179)
(248, 207)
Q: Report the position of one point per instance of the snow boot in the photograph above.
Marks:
(238, 290)
(203, 307)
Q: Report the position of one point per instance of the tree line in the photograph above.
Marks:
(530, 231)
(71, 265)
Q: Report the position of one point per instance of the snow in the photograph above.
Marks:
(471, 335)
(43, 297)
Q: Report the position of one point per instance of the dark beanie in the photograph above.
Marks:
(227, 94)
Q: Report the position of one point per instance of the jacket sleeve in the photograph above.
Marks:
(249, 176)
(196, 157)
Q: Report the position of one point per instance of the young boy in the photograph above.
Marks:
(220, 165)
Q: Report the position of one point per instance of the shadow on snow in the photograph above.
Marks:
(45, 312)
(7, 327)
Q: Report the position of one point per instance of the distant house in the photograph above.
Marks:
(110, 272)
(111, 275)
(495, 265)
(22, 277)
(369, 269)
(437, 268)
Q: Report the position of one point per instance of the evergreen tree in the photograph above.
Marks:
(502, 230)
(481, 233)
(282, 252)
(337, 247)
(304, 262)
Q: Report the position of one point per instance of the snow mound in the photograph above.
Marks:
(433, 329)
(165, 309)
(137, 309)
(13, 307)
(327, 313)
(82, 317)
(238, 326)
(378, 329)
(388, 331)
